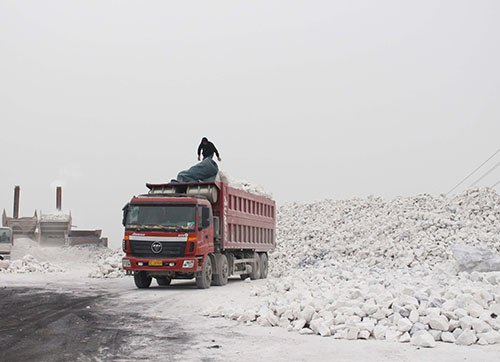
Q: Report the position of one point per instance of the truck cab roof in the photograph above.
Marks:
(152, 186)
(164, 198)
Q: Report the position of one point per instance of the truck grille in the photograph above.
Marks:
(169, 249)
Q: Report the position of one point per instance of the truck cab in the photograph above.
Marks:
(167, 237)
(6, 242)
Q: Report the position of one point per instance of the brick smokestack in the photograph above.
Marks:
(59, 198)
(17, 191)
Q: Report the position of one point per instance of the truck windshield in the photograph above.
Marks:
(169, 217)
(4, 236)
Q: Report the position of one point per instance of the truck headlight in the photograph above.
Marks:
(188, 264)
(126, 263)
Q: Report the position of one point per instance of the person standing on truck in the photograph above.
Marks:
(208, 149)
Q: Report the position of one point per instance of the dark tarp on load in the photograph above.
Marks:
(204, 171)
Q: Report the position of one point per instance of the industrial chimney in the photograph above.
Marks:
(17, 191)
(59, 198)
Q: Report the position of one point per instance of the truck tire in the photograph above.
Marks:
(220, 278)
(164, 281)
(142, 279)
(264, 265)
(255, 274)
(204, 278)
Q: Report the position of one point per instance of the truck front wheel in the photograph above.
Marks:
(142, 279)
(204, 278)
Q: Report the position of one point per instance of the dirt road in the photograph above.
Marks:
(50, 325)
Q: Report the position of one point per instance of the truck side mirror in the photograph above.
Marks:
(125, 214)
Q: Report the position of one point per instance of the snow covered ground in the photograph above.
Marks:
(367, 274)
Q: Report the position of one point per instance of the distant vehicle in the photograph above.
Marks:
(6, 242)
(207, 231)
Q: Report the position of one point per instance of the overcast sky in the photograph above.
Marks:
(312, 99)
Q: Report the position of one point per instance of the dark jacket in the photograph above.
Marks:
(208, 150)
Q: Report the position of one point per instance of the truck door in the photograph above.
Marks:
(205, 226)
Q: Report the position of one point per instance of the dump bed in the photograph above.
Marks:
(246, 220)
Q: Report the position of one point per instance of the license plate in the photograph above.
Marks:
(155, 263)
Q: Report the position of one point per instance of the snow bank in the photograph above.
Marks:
(29, 264)
(244, 185)
(376, 269)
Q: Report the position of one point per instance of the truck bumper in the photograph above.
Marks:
(189, 264)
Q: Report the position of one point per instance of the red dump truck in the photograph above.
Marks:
(208, 231)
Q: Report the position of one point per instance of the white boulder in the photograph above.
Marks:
(404, 325)
(473, 258)
(466, 338)
(439, 323)
(423, 339)
(448, 337)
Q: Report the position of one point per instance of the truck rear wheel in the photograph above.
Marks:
(204, 278)
(142, 279)
(264, 265)
(220, 278)
(255, 274)
(164, 281)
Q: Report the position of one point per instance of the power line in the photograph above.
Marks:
(473, 172)
(498, 183)
(486, 174)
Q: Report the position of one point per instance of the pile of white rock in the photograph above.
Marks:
(402, 232)
(29, 264)
(108, 264)
(375, 269)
